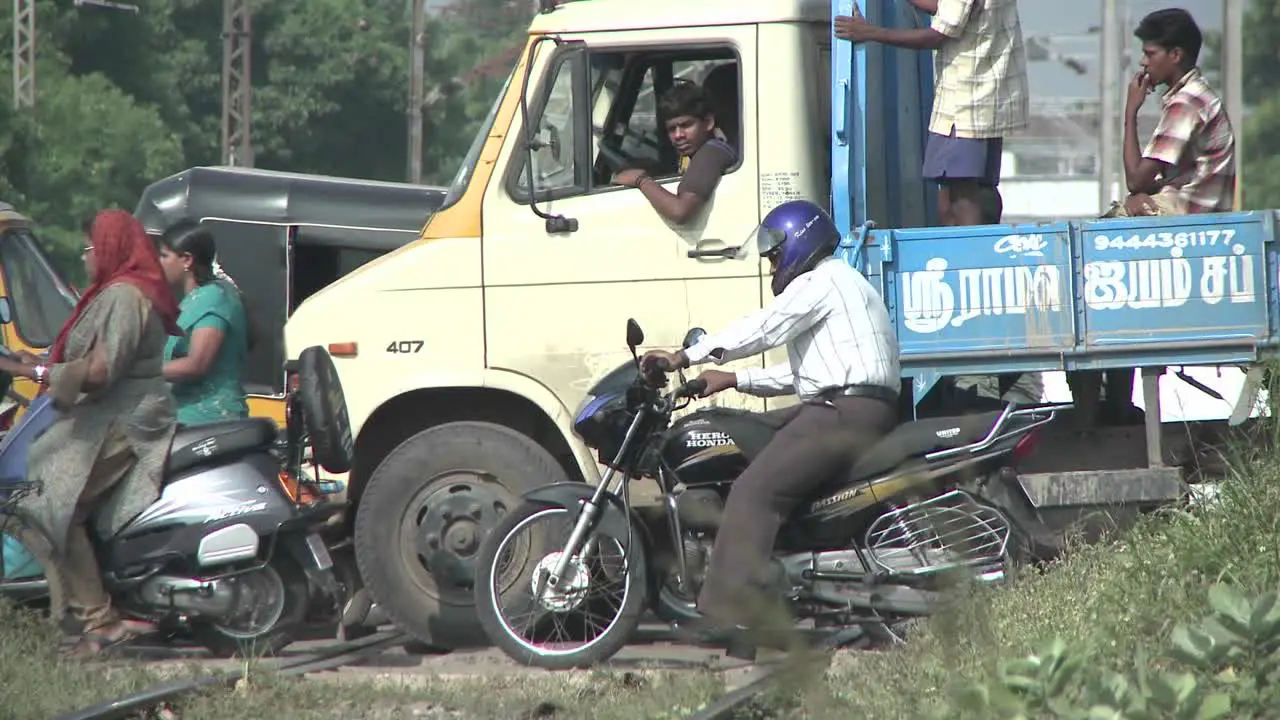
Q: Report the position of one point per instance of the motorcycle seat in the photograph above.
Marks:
(919, 438)
(197, 445)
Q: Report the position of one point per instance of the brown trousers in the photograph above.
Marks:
(819, 442)
(87, 597)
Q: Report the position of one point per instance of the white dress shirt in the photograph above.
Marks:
(836, 329)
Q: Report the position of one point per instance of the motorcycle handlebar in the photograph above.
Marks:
(693, 388)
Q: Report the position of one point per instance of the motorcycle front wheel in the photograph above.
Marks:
(587, 618)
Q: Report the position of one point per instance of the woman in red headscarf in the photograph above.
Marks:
(102, 459)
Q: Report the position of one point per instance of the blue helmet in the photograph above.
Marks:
(800, 234)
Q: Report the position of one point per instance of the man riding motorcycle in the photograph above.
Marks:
(843, 365)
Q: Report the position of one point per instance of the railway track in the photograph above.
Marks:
(165, 692)
(338, 655)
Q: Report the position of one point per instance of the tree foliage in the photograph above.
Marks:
(125, 99)
(1260, 159)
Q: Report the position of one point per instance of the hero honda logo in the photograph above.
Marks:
(714, 438)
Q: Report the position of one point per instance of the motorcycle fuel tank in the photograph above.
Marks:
(701, 451)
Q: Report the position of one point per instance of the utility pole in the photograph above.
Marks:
(24, 53)
(1233, 78)
(417, 59)
(237, 93)
(1109, 123)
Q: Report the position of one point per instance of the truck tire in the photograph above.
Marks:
(428, 506)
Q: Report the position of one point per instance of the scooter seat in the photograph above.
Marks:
(197, 445)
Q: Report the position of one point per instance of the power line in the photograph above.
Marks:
(237, 85)
(1233, 77)
(417, 40)
(24, 53)
(1109, 76)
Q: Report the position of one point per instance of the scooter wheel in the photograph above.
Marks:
(280, 635)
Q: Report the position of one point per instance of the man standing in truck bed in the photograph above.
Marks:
(979, 96)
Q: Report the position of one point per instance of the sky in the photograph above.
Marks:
(1055, 18)
(1074, 17)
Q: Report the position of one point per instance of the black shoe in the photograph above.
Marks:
(705, 633)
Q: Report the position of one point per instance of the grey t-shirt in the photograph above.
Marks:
(706, 166)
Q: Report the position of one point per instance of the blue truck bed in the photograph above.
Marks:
(1117, 293)
(1114, 293)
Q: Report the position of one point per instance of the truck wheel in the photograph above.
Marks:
(428, 506)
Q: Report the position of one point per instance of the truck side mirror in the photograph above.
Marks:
(574, 54)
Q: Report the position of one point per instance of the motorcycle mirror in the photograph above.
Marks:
(692, 337)
(635, 336)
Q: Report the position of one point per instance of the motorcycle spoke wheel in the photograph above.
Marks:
(583, 607)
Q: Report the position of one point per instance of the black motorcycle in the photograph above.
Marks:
(874, 548)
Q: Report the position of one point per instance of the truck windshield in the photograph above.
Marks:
(39, 298)
(463, 177)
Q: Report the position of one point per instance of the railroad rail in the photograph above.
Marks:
(724, 707)
(327, 659)
(345, 653)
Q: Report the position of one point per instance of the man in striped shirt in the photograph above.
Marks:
(1189, 164)
(842, 363)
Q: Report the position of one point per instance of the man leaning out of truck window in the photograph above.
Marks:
(1189, 164)
(980, 94)
(705, 154)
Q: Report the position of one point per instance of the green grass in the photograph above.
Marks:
(36, 684)
(1107, 601)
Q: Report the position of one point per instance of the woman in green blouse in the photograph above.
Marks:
(204, 366)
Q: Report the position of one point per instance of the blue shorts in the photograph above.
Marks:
(947, 157)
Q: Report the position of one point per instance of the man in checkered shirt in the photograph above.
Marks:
(1189, 165)
(979, 96)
